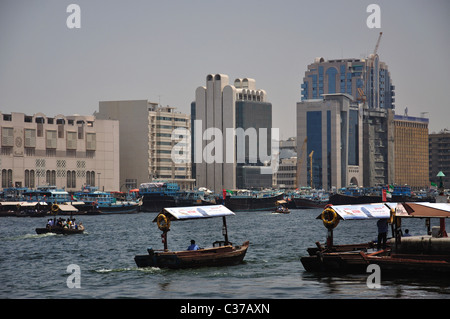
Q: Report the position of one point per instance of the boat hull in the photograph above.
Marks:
(156, 202)
(59, 230)
(209, 257)
(303, 203)
(252, 203)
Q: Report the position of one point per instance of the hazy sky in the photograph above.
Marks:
(163, 50)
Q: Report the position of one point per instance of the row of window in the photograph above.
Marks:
(49, 178)
(51, 136)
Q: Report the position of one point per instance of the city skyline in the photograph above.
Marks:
(160, 51)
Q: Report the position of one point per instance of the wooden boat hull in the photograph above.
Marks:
(305, 203)
(250, 203)
(209, 257)
(287, 211)
(357, 262)
(59, 230)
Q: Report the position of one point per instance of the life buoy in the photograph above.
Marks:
(163, 222)
(55, 208)
(330, 218)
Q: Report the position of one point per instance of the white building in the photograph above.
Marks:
(225, 107)
(146, 142)
(64, 151)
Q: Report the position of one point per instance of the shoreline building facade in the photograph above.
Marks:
(411, 151)
(223, 111)
(439, 159)
(366, 80)
(64, 151)
(146, 142)
(332, 127)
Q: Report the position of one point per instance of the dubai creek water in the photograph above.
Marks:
(36, 266)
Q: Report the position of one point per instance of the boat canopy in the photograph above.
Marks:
(382, 210)
(423, 209)
(364, 211)
(179, 213)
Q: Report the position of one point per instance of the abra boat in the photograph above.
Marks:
(57, 227)
(223, 253)
(281, 207)
(427, 254)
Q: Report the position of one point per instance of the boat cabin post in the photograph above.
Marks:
(442, 227)
(164, 239)
(225, 230)
(330, 239)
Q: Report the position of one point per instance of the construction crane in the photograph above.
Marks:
(300, 162)
(311, 169)
(378, 43)
(361, 95)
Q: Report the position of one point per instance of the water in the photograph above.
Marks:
(35, 266)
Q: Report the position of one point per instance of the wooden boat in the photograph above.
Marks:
(281, 207)
(428, 253)
(223, 253)
(60, 230)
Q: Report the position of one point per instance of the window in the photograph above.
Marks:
(90, 142)
(90, 178)
(71, 179)
(51, 139)
(7, 136)
(6, 178)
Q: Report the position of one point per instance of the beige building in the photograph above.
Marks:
(64, 151)
(146, 142)
(411, 151)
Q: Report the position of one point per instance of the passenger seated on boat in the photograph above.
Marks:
(406, 234)
(193, 246)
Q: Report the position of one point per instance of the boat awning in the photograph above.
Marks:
(67, 208)
(31, 204)
(423, 209)
(179, 213)
(75, 203)
(362, 211)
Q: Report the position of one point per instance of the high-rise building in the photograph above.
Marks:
(234, 124)
(378, 147)
(146, 142)
(64, 151)
(439, 149)
(364, 79)
(411, 151)
(332, 128)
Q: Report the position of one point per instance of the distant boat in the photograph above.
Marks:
(223, 253)
(310, 198)
(61, 227)
(93, 200)
(157, 195)
(246, 200)
(281, 207)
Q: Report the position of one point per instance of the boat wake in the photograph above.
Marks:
(28, 236)
(145, 270)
